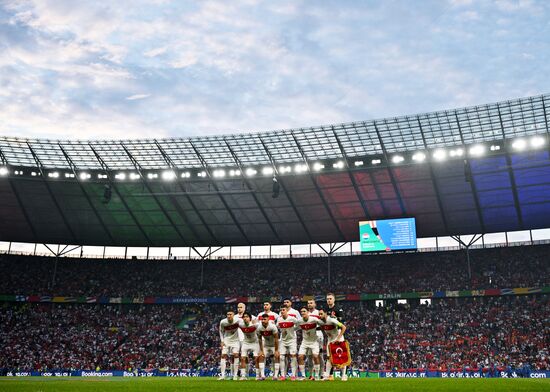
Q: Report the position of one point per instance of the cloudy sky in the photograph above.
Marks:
(160, 68)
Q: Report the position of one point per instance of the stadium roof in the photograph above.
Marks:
(208, 191)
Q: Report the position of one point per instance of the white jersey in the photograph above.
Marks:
(293, 313)
(228, 331)
(268, 333)
(288, 329)
(331, 327)
(272, 316)
(309, 329)
(241, 335)
(315, 314)
(249, 332)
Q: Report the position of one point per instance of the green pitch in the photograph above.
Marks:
(208, 384)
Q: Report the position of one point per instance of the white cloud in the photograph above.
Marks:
(246, 66)
(515, 5)
(137, 96)
(468, 16)
(460, 3)
(155, 52)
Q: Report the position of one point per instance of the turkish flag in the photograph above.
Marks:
(339, 353)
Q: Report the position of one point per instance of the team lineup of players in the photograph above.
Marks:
(272, 335)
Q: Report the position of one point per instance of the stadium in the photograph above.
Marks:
(120, 258)
(171, 218)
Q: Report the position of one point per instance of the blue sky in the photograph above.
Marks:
(159, 68)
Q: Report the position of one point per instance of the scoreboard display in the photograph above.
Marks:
(387, 235)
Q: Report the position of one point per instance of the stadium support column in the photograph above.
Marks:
(467, 246)
(56, 254)
(511, 174)
(209, 252)
(287, 194)
(333, 247)
(251, 188)
(318, 189)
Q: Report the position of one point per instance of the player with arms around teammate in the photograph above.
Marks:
(268, 336)
(308, 325)
(313, 312)
(250, 344)
(287, 303)
(334, 330)
(230, 343)
(267, 310)
(288, 342)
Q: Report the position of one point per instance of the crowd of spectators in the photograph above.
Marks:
(456, 334)
(447, 334)
(451, 333)
(526, 266)
(45, 336)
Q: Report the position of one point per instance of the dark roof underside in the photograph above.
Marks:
(505, 194)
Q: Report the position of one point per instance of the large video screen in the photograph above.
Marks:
(387, 235)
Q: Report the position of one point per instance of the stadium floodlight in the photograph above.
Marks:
(519, 144)
(84, 176)
(34, 174)
(53, 175)
(234, 173)
(440, 154)
(419, 157)
(358, 163)
(120, 176)
(4, 171)
(185, 175)
(338, 165)
(102, 176)
(495, 147)
(397, 159)
(376, 161)
(251, 172)
(537, 141)
(300, 168)
(285, 169)
(218, 173)
(169, 175)
(318, 166)
(134, 176)
(458, 152)
(201, 174)
(267, 171)
(477, 150)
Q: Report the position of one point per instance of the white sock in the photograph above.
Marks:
(328, 367)
(283, 365)
(316, 370)
(302, 370)
(243, 372)
(344, 371)
(222, 367)
(235, 367)
(321, 361)
(276, 372)
(294, 365)
(262, 369)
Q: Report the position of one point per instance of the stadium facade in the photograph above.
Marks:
(471, 174)
(479, 169)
